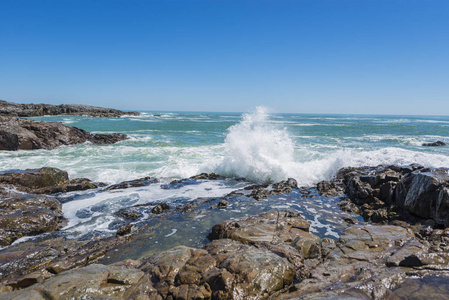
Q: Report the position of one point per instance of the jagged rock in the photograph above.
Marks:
(260, 192)
(355, 268)
(387, 193)
(37, 110)
(257, 273)
(435, 144)
(24, 134)
(330, 188)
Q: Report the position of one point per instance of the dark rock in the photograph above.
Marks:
(435, 144)
(45, 181)
(133, 183)
(37, 110)
(260, 192)
(223, 204)
(158, 209)
(126, 230)
(77, 184)
(31, 179)
(330, 188)
(24, 134)
(131, 213)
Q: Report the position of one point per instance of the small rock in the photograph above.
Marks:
(158, 209)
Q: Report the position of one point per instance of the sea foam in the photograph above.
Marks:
(257, 149)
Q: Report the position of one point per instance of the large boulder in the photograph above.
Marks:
(388, 193)
(24, 134)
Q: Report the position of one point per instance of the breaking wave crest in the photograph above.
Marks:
(257, 149)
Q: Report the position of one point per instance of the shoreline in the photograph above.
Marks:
(275, 238)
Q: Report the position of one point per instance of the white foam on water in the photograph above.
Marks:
(100, 207)
(257, 149)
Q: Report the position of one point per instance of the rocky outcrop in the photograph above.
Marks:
(435, 144)
(24, 134)
(38, 110)
(28, 214)
(384, 194)
(45, 181)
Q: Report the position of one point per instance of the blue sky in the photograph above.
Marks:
(305, 56)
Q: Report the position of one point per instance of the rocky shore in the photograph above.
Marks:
(402, 250)
(24, 134)
(39, 110)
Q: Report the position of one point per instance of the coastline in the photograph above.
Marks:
(379, 227)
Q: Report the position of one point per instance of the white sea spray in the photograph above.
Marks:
(257, 149)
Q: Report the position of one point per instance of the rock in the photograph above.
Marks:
(158, 209)
(24, 134)
(426, 195)
(435, 144)
(267, 227)
(27, 215)
(330, 188)
(126, 230)
(260, 192)
(223, 204)
(77, 184)
(133, 183)
(131, 213)
(31, 179)
(37, 110)
(387, 193)
(93, 281)
(45, 181)
(257, 273)
(355, 268)
(177, 184)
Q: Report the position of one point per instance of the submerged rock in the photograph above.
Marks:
(24, 134)
(435, 144)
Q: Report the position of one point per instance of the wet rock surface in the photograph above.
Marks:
(24, 134)
(27, 215)
(273, 255)
(45, 181)
(435, 144)
(38, 110)
(384, 194)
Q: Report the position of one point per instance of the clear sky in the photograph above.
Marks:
(305, 56)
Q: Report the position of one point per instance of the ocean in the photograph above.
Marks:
(259, 146)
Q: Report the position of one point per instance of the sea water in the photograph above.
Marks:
(259, 146)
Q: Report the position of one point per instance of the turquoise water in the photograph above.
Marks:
(258, 146)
